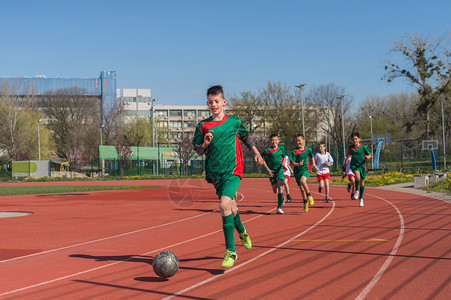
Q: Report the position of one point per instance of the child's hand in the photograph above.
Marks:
(270, 173)
(208, 137)
(259, 160)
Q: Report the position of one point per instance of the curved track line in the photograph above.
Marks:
(113, 236)
(118, 262)
(251, 260)
(390, 257)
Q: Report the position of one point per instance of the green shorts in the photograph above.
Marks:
(227, 185)
(305, 174)
(278, 175)
(361, 170)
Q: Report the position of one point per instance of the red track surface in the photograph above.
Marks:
(101, 245)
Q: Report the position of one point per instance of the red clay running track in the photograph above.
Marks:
(100, 245)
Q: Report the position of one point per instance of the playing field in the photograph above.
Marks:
(100, 245)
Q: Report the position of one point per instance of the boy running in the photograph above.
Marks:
(218, 138)
(287, 173)
(347, 172)
(274, 158)
(299, 159)
(358, 154)
(323, 160)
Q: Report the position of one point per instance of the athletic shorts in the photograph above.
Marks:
(351, 176)
(322, 177)
(305, 174)
(227, 185)
(287, 177)
(362, 171)
(276, 177)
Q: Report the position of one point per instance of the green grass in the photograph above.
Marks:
(441, 186)
(31, 190)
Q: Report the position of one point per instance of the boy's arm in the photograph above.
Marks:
(368, 154)
(257, 156)
(270, 173)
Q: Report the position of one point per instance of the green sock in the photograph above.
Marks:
(229, 230)
(357, 185)
(238, 225)
(362, 188)
(279, 200)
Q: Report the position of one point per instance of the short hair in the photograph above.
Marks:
(300, 135)
(355, 134)
(273, 135)
(215, 90)
(322, 143)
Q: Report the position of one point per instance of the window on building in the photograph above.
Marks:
(204, 113)
(162, 113)
(175, 113)
(189, 113)
(175, 124)
(189, 124)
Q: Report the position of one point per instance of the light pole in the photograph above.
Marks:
(153, 122)
(300, 87)
(39, 140)
(444, 143)
(371, 130)
(343, 123)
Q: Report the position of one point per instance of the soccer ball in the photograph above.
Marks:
(165, 264)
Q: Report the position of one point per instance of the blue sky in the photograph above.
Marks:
(179, 48)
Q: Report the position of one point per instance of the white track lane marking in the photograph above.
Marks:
(390, 257)
(118, 262)
(252, 259)
(112, 237)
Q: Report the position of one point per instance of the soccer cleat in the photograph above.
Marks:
(319, 190)
(288, 198)
(279, 210)
(229, 259)
(245, 240)
(310, 199)
(356, 195)
(349, 187)
(305, 205)
(360, 202)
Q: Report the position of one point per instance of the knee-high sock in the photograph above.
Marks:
(238, 225)
(357, 186)
(279, 200)
(229, 230)
(362, 188)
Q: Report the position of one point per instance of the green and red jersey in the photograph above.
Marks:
(223, 154)
(274, 157)
(298, 155)
(358, 156)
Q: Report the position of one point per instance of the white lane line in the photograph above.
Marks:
(389, 259)
(117, 262)
(252, 259)
(113, 236)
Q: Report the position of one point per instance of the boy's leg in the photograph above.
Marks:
(362, 186)
(287, 189)
(326, 184)
(304, 178)
(279, 196)
(357, 184)
(226, 189)
(320, 183)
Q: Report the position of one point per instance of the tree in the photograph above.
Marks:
(332, 108)
(250, 109)
(184, 151)
(18, 128)
(428, 70)
(124, 151)
(74, 119)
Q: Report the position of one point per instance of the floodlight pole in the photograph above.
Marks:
(153, 123)
(300, 87)
(444, 143)
(39, 140)
(371, 129)
(343, 123)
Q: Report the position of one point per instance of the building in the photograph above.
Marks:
(103, 87)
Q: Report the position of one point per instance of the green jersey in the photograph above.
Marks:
(223, 154)
(358, 156)
(274, 157)
(298, 155)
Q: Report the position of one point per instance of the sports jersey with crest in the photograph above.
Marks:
(223, 154)
(298, 155)
(274, 157)
(358, 156)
